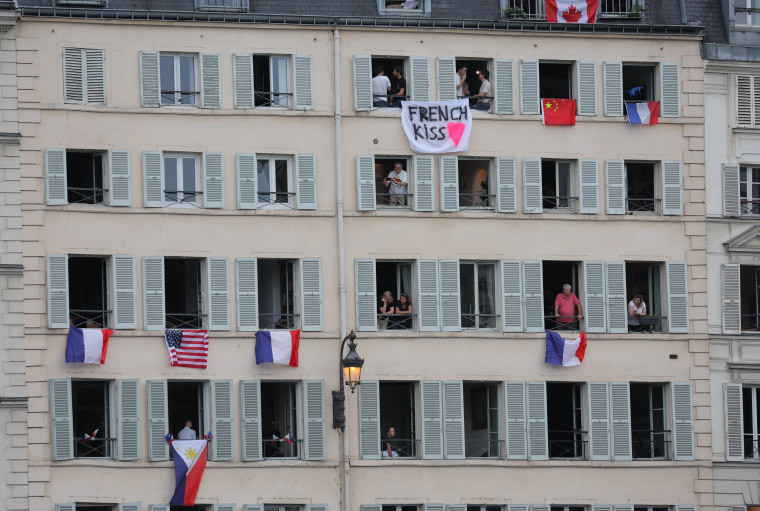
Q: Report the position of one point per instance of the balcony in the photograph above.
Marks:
(609, 9)
(222, 5)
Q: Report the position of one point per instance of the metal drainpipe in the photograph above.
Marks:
(683, 12)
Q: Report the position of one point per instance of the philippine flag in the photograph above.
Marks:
(87, 345)
(277, 347)
(189, 464)
(571, 11)
(643, 113)
(563, 352)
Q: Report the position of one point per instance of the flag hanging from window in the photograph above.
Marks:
(572, 11)
(562, 352)
(558, 111)
(643, 113)
(187, 348)
(189, 464)
(87, 345)
(278, 347)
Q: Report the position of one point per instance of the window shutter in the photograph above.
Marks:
(119, 175)
(517, 507)
(732, 397)
(589, 175)
(129, 419)
(537, 431)
(370, 507)
(512, 297)
(670, 90)
(150, 83)
(617, 308)
(256, 507)
(615, 180)
(451, 319)
(306, 177)
(242, 74)
(432, 437)
(687, 508)
(314, 417)
(95, 65)
(159, 507)
(218, 293)
(457, 507)
(737, 508)
(731, 206)
(427, 289)
(613, 89)
(533, 296)
(311, 295)
(423, 183)
(586, 87)
(153, 179)
(362, 83)
(744, 111)
(599, 415)
(420, 82)
(366, 302)
(224, 507)
(365, 182)
(158, 421)
(449, 183)
(446, 82)
(626, 507)
(213, 180)
(732, 320)
(434, 507)
(73, 76)
(211, 90)
(620, 411)
(369, 420)
(303, 91)
(453, 416)
(66, 507)
(61, 424)
(529, 100)
(125, 291)
(246, 180)
(154, 317)
(672, 202)
(517, 425)
(678, 298)
(532, 202)
(683, 423)
(506, 184)
(55, 177)
(250, 415)
(246, 284)
(221, 419)
(130, 506)
(535, 507)
(504, 95)
(602, 508)
(593, 282)
(58, 291)
(316, 507)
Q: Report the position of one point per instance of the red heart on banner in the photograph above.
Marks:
(456, 130)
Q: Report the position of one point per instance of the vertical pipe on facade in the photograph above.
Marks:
(682, 3)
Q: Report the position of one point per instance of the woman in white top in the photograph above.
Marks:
(636, 308)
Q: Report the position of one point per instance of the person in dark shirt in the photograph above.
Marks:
(389, 447)
(403, 306)
(400, 91)
(385, 307)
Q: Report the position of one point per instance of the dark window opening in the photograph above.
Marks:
(651, 508)
(395, 277)
(393, 97)
(397, 411)
(91, 416)
(749, 190)
(96, 507)
(484, 508)
(84, 177)
(567, 508)
(276, 507)
(558, 186)
(638, 82)
(400, 508)
(472, 83)
(556, 274)
(481, 420)
(88, 292)
(394, 194)
(277, 294)
(197, 507)
(751, 421)
(650, 439)
(564, 407)
(555, 80)
(183, 283)
(279, 419)
(645, 279)
(640, 187)
(185, 402)
(475, 185)
(749, 288)
(477, 287)
(270, 81)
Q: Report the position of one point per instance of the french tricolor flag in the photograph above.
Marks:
(643, 113)
(279, 347)
(562, 352)
(87, 345)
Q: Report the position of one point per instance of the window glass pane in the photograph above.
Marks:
(170, 179)
(486, 287)
(188, 179)
(563, 179)
(467, 290)
(167, 79)
(187, 79)
(280, 80)
(262, 178)
(281, 179)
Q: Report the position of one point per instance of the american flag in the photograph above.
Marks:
(188, 348)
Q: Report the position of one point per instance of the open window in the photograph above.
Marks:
(86, 506)
(183, 281)
(645, 279)
(403, 7)
(475, 507)
(396, 194)
(477, 288)
(182, 180)
(558, 186)
(481, 419)
(281, 507)
(280, 433)
(475, 183)
(565, 415)
(271, 81)
(274, 182)
(396, 277)
(85, 177)
(555, 79)
(88, 292)
(92, 418)
(196, 507)
(555, 275)
(474, 69)
(749, 297)
(399, 81)
(397, 411)
(186, 401)
(641, 187)
(639, 82)
(395, 507)
(179, 79)
(649, 434)
(749, 190)
(567, 508)
(751, 421)
(277, 294)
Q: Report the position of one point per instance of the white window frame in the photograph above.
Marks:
(177, 87)
(573, 76)
(108, 285)
(755, 433)
(491, 183)
(300, 425)
(180, 201)
(283, 507)
(573, 204)
(422, 8)
(206, 403)
(103, 172)
(756, 269)
(112, 418)
(497, 305)
(580, 408)
(406, 162)
(287, 93)
(748, 186)
(202, 299)
(270, 158)
(654, 66)
(296, 276)
(750, 16)
(656, 186)
(667, 408)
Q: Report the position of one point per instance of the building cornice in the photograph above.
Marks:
(746, 67)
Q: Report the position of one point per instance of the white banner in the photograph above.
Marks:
(437, 127)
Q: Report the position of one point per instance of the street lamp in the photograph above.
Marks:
(350, 375)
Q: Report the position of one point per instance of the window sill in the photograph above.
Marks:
(510, 463)
(210, 464)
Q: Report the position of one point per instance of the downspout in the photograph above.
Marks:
(682, 3)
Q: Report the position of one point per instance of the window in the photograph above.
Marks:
(387, 507)
(271, 81)
(84, 75)
(475, 183)
(473, 69)
(649, 436)
(397, 411)
(197, 507)
(567, 508)
(222, 5)
(481, 420)
(183, 282)
(641, 190)
(565, 414)
(182, 180)
(84, 177)
(555, 79)
(645, 279)
(179, 84)
(276, 294)
(558, 188)
(751, 421)
(747, 99)
(651, 508)
(556, 274)
(471, 507)
(279, 420)
(749, 190)
(274, 181)
(638, 81)
(186, 402)
(619, 8)
(403, 7)
(749, 286)
(82, 3)
(396, 277)
(396, 194)
(399, 90)
(276, 507)
(82, 506)
(91, 417)
(745, 14)
(88, 292)
(477, 288)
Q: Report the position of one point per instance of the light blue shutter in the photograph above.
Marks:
(532, 195)
(589, 177)
(670, 90)
(732, 398)
(672, 201)
(73, 76)
(61, 423)
(66, 507)
(154, 316)
(601, 508)
(150, 83)
(620, 414)
(504, 95)
(306, 179)
(420, 82)
(599, 418)
(311, 295)
(731, 206)
(130, 506)
(517, 507)
(450, 309)
(211, 87)
(242, 75)
(316, 507)
(449, 183)
(314, 417)
(246, 181)
(58, 291)
(434, 507)
(253, 507)
(511, 296)
(537, 428)
(540, 507)
(365, 182)
(456, 507)
(95, 76)
(517, 424)
(423, 183)
(593, 282)
(55, 177)
(678, 298)
(219, 293)
(506, 184)
(529, 100)
(428, 290)
(533, 294)
(366, 302)
(453, 417)
(615, 181)
(446, 79)
(153, 179)
(250, 415)
(159, 507)
(432, 420)
(158, 420)
(613, 89)
(213, 177)
(119, 175)
(731, 298)
(683, 422)
(586, 87)
(221, 419)
(617, 308)
(303, 90)
(224, 507)
(246, 285)
(369, 420)
(626, 507)
(362, 83)
(370, 507)
(129, 419)
(692, 508)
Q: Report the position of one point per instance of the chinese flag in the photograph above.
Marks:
(558, 111)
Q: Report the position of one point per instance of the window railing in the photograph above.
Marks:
(562, 323)
(648, 324)
(750, 322)
(269, 98)
(274, 448)
(641, 204)
(620, 9)
(397, 322)
(94, 448)
(749, 207)
(276, 198)
(394, 201)
(650, 443)
(567, 444)
(186, 97)
(476, 200)
(278, 321)
(751, 446)
(182, 320)
(82, 195)
(484, 448)
(480, 321)
(560, 203)
(89, 318)
(405, 448)
(190, 197)
(390, 100)
(534, 9)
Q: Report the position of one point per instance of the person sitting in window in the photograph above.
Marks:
(389, 446)
(187, 433)
(404, 306)
(564, 309)
(636, 309)
(400, 92)
(484, 100)
(385, 306)
(381, 86)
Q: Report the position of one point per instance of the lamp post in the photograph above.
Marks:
(350, 375)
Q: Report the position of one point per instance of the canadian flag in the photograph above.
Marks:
(572, 11)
